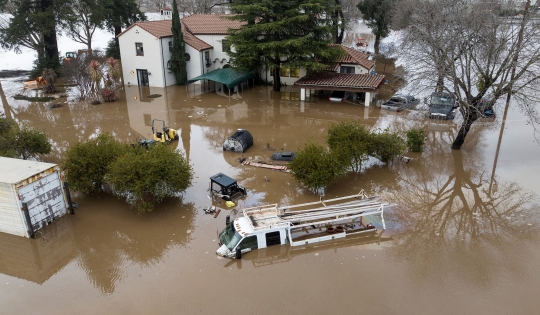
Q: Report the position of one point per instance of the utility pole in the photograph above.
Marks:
(508, 97)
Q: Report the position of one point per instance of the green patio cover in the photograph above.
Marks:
(231, 77)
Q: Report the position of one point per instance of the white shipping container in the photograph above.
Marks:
(38, 185)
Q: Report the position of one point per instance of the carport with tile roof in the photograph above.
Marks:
(332, 81)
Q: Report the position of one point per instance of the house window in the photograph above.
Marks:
(290, 72)
(225, 45)
(207, 58)
(139, 49)
(345, 69)
(170, 46)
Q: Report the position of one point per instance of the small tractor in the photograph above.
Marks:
(165, 135)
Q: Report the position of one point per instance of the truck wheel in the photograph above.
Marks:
(239, 252)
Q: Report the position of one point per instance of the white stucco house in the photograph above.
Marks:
(145, 48)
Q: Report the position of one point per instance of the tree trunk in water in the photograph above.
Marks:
(117, 30)
(49, 39)
(7, 109)
(339, 29)
(440, 82)
(463, 131)
(277, 79)
(339, 39)
(377, 41)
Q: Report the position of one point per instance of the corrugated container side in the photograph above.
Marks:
(10, 213)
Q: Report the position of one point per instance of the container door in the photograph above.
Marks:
(45, 200)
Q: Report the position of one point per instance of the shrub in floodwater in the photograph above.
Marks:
(416, 139)
(145, 176)
(352, 141)
(316, 167)
(86, 163)
(109, 95)
(50, 77)
(21, 142)
(34, 98)
(387, 145)
(107, 84)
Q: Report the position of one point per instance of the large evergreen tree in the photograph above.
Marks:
(34, 25)
(377, 14)
(282, 33)
(116, 14)
(177, 64)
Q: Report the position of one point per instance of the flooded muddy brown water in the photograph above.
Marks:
(463, 238)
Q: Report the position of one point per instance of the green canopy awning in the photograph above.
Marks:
(231, 77)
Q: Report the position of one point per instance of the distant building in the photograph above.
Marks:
(165, 13)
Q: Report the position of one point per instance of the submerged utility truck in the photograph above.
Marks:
(302, 224)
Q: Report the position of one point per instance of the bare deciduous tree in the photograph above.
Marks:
(32, 40)
(81, 26)
(469, 49)
(200, 6)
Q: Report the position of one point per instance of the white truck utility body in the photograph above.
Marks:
(307, 223)
(38, 185)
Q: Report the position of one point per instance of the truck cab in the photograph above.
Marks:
(239, 237)
(442, 105)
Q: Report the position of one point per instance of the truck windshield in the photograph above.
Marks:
(442, 101)
(230, 237)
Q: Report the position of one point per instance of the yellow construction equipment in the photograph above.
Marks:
(165, 135)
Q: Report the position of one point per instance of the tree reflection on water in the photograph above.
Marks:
(452, 218)
(125, 238)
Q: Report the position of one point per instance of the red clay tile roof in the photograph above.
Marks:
(193, 41)
(210, 24)
(197, 24)
(356, 57)
(341, 80)
(157, 28)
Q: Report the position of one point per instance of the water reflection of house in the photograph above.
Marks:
(142, 109)
(37, 260)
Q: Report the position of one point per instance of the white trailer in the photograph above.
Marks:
(302, 224)
(31, 196)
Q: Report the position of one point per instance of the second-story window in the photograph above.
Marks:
(207, 58)
(139, 49)
(170, 46)
(225, 45)
(288, 72)
(344, 69)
